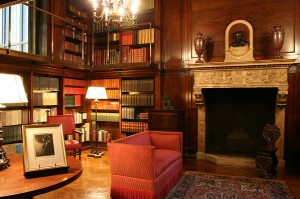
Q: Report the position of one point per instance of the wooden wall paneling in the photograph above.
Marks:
(292, 138)
(212, 17)
(171, 32)
(58, 8)
(191, 118)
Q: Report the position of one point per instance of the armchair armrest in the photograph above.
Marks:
(167, 140)
(135, 161)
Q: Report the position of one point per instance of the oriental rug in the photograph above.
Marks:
(197, 185)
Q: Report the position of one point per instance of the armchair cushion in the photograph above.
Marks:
(164, 158)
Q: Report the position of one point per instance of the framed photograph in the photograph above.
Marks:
(43, 148)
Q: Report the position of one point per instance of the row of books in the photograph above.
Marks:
(138, 85)
(106, 105)
(14, 117)
(15, 148)
(80, 117)
(85, 130)
(45, 99)
(72, 58)
(135, 55)
(77, 11)
(111, 37)
(75, 34)
(128, 113)
(40, 114)
(45, 83)
(134, 126)
(102, 58)
(138, 100)
(106, 117)
(75, 90)
(78, 24)
(12, 133)
(107, 83)
(72, 100)
(133, 37)
(102, 135)
(73, 47)
(75, 82)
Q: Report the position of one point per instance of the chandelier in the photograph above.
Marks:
(111, 14)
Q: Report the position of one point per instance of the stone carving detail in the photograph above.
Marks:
(242, 77)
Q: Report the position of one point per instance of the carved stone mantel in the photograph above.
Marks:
(256, 74)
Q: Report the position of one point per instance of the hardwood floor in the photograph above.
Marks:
(95, 180)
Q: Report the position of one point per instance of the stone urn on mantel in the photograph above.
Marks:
(278, 40)
(199, 44)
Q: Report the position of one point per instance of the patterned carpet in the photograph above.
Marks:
(203, 185)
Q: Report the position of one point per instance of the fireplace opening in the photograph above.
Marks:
(235, 118)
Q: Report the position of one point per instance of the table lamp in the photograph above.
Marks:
(11, 91)
(96, 93)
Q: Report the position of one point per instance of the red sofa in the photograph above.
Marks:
(146, 164)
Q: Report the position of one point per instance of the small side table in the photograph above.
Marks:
(266, 161)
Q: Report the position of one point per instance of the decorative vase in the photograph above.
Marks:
(271, 133)
(278, 39)
(199, 43)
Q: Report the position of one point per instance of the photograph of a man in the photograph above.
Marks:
(43, 145)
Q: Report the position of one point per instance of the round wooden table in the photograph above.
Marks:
(13, 183)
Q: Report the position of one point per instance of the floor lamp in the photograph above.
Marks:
(11, 91)
(96, 93)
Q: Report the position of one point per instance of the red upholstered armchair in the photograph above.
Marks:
(68, 125)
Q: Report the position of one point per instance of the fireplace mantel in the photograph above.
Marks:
(254, 74)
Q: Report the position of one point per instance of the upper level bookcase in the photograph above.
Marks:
(75, 34)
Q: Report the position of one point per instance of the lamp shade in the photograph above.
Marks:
(12, 89)
(96, 93)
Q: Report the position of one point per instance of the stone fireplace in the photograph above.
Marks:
(235, 101)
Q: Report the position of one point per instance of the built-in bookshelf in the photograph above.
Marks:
(75, 43)
(132, 44)
(137, 98)
(45, 97)
(74, 92)
(108, 110)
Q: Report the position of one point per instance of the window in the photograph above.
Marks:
(14, 19)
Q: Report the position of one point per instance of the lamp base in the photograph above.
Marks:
(96, 153)
(4, 161)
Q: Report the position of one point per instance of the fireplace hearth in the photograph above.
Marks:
(235, 101)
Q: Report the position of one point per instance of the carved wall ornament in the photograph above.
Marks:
(239, 41)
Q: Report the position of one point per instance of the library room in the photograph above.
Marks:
(149, 99)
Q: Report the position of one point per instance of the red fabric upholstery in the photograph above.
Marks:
(68, 126)
(141, 170)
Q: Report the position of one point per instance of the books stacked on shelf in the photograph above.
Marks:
(102, 135)
(75, 90)
(106, 117)
(73, 47)
(12, 133)
(85, 129)
(14, 117)
(143, 116)
(72, 58)
(138, 100)
(138, 85)
(102, 57)
(106, 105)
(44, 98)
(145, 36)
(113, 94)
(134, 127)
(75, 82)
(72, 100)
(45, 83)
(78, 12)
(80, 117)
(107, 83)
(15, 148)
(128, 113)
(127, 37)
(40, 114)
(73, 33)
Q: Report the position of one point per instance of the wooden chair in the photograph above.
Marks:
(68, 125)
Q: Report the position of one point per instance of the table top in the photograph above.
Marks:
(13, 183)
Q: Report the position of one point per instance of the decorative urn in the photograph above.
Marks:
(199, 44)
(278, 40)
